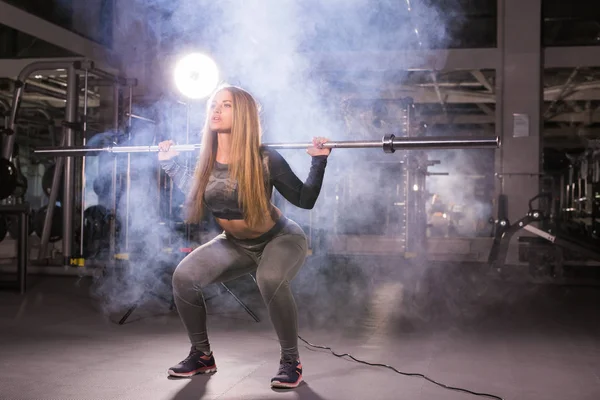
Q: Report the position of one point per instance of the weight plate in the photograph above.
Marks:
(3, 227)
(47, 183)
(13, 225)
(56, 226)
(8, 178)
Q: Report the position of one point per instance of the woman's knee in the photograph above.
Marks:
(269, 282)
(187, 277)
(181, 279)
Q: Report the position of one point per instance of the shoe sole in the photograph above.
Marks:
(286, 385)
(196, 372)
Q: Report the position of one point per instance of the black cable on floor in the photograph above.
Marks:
(400, 372)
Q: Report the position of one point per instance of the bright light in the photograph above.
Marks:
(196, 76)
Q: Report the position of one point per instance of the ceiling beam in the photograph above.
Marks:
(591, 133)
(11, 68)
(420, 94)
(483, 80)
(410, 60)
(486, 109)
(25, 22)
(457, 119)
(469, 119)
(564, 143)
(447, 60)
(572, 57)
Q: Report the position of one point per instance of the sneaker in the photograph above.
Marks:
(196, 363)
(288, 376)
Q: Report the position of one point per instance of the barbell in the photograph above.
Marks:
(389, 144)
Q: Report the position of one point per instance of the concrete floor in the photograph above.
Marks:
(457, 324)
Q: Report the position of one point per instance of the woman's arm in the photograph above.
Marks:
(303, 195)
(181, 175)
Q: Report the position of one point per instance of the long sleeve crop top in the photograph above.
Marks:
(223, 203)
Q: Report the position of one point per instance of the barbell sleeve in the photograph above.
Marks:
(389, 144)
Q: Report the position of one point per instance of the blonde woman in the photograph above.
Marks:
(234, 179)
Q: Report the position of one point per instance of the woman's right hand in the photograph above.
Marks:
(165, 152)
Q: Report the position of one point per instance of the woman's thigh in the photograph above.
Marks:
(218, 260)
(281, 260)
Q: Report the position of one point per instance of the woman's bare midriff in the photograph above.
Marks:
(239, 229)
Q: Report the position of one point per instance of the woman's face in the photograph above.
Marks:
(221, 112)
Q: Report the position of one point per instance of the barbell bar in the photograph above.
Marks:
(389, 143)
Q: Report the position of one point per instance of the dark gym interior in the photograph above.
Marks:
(454, 249)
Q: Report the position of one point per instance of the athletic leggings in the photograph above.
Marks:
(276, 256)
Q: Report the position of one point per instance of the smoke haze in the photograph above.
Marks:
(278, 50)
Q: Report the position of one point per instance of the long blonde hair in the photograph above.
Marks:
(246, 163)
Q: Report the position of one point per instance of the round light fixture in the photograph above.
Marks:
(196, 76)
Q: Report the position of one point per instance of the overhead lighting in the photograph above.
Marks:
(196, 76)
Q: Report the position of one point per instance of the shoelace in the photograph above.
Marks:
(188, 358)
(193, 353)
(286, 369)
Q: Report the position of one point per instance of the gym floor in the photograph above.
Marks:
(459, 325)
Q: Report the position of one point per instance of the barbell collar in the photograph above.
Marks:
(388, 143)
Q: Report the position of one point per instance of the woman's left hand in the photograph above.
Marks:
(317, 148)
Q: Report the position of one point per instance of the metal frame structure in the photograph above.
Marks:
(65, 166)
(505, 232)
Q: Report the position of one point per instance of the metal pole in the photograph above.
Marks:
(69, 135)
(562, 197)
(572, 189)
(408, 178)
(58, 171)
(187, 164)
(134, 116)
(6, 107)
(9, 140)
(113, 221)
(23, 250)
(112, 78)
(398, 143)
(83, 182)
(170, 224)
(128, 188)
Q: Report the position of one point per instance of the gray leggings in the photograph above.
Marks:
(276, 256)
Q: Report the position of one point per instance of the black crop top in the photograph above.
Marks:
(223, 203)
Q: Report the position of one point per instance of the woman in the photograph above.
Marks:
(234, 169)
